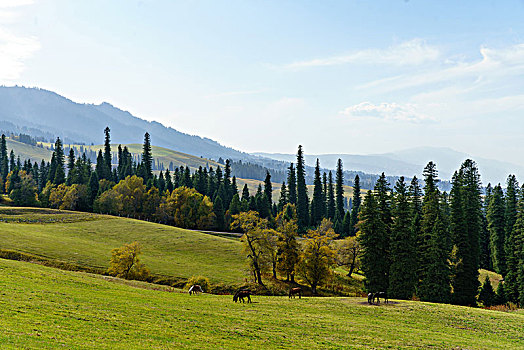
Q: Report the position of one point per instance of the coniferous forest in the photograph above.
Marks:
(416, 240)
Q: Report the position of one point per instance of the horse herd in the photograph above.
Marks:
(377, 295)
(243, 294)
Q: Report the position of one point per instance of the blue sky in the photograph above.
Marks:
(335, 76)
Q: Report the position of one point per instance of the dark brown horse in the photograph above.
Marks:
(195, 289)
(294, 291)
(383, 295)
(241, 294)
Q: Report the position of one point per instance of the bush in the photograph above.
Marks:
(125, 263)
(200, 280)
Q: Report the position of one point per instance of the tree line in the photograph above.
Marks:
(415, 241)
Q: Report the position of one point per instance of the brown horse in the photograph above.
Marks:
(294, 291)
(241, 294)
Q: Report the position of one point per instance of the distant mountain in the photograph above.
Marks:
(411, 162)
(45, 113)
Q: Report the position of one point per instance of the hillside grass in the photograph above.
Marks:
(87, 239)
(45, 308)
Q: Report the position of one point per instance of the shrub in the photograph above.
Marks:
(200, 280)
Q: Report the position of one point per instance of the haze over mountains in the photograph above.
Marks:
(44, 113)
(411, 162)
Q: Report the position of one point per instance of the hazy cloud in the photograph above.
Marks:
(14, 49)
(412, 52)
(387, 111)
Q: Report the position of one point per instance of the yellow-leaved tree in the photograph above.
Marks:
(125, 263)
(187, 208)
(318, 256)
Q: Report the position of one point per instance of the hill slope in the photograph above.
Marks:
(37, 109)
(45, 308)
(87, 239)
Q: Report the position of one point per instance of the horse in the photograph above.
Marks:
(371, 298)
(383, 295)
(195, 289)
(294, 291)
(241, 294)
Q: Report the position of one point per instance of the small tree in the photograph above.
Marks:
(349, 254)
(254, 240)
(487, 295)
(125, 262)
(318, 257)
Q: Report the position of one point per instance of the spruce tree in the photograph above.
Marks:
(302, 196)
(12, 161)
(372, 237)
(515, 285)
(245, 193)
(466, 226)
(433, 246)
(510, 216)
(356, 206)
(487, 295)
(496, 227)
(339, 199)
(268, 188)
(331, 209)
(4, 161)
(70, 166)
(59, 176)
(317, 203)
(485, 257)
(292, 184)
(147, 158)
(283, 200)
(107, 152)
(169, 181)
(402, 271)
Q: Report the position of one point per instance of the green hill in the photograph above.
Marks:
(87, 239)
(46, 308)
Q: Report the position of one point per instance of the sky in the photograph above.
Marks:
(355, 77)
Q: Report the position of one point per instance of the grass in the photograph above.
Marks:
(45, 308)
(87, 239)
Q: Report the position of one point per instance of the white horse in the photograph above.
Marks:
(195, 289)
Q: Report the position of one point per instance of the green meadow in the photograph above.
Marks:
(46, 308)
(87, 239)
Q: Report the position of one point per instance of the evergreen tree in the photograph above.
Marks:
(356, 206)
(372, 238)
(485, 257)
(70, 166)
(93, 187)
(245, 193)
(283, 200)
(346, 224)
(268, 189)
(292, 184)
(59, 176)
(218, 209)
(510, 216)
(487, 295)
(302, 196)
(317, 203)
(466, 225)
(107, 152)
(169, 181)
(433, 252)
(496, 227)
(339, 199)
(402, 271)
(147, 158)
(331, 209)
(12, 161)
(4, 161)
(514, 286)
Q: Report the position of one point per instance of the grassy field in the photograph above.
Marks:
(45, 308)
(87, 239)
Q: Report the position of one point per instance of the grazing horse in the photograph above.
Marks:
(195, 289)
(241, 294)
(294, 291)
(382, 295)
(371, 298)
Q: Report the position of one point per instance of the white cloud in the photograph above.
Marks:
(412, 52)
(387, 111)
(14, 49)
(495, 65)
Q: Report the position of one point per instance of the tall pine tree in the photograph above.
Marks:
(302, 196)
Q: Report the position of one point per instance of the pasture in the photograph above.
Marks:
(86, 239)
(46, 308)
